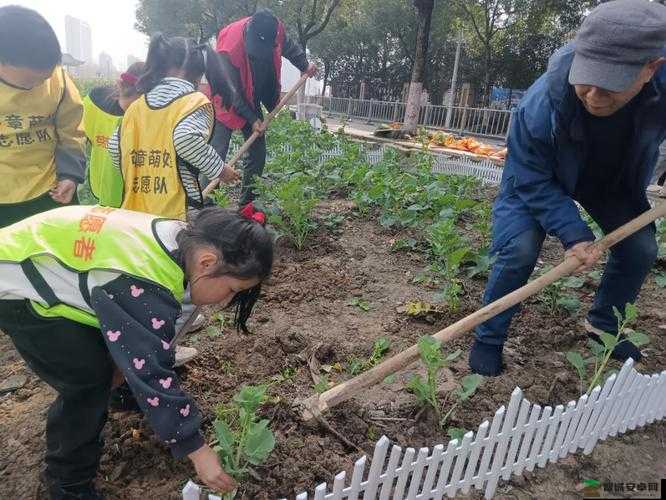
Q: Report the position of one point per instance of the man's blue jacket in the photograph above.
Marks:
(547, 152)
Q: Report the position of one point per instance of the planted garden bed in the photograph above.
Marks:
(386, 255)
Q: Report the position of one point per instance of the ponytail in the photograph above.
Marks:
(216, 74)
(157, 63)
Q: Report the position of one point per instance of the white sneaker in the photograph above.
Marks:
(184, 355)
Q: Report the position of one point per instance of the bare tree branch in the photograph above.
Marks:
(313, 17)
(334, 4)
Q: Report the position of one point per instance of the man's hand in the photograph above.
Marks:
(586, 253)
(210, 471)
(64, 191)
(311, 71)
(259, 127)
(229, 175)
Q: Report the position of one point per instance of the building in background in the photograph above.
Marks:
(106, 68)
(78, 38)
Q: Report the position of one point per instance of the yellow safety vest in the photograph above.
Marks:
(83, 239)
(148, 162)
(106, 183)
(28, 138)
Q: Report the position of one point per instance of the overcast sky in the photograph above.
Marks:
(112, 26)
(111, 23)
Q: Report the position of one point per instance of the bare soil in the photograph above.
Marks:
(306, 309)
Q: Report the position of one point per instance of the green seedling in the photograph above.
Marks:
(560, 296)
(362, 304)
(242, 438)
(468, 387)
(354, 366)
(601, 351)
(286, 375)
(295, 200)
(425, 390)
(213, 331)
(322, 385)
(379, 349)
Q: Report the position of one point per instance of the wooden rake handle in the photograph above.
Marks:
(317, 404)
(250, 140)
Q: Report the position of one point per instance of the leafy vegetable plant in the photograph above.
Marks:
(294, 201)
(425, 390)
(242, 438)
(601, 352)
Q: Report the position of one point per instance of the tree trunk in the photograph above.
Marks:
(327, 72)
(424, 9)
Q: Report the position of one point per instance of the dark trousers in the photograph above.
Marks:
(9, 214)
(629, 263)
(256, 156)
(73, 359)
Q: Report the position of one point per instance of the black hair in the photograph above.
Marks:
(27, 40)
(246, 250)
(168, 53)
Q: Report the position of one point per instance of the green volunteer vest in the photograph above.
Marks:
(106, 181)
(85, 239)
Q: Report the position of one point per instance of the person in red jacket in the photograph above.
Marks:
(251, 51)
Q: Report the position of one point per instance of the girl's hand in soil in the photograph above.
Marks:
(210, 471)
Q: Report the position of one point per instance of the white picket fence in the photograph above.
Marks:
(520, 437)
(484, 170)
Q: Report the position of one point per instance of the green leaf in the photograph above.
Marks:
(576, 360)
(250, 397)
(595, 347)
(430, 351)
(362, 304)
(225, 438)
(630, 313)
(355, 366)
(259, 443)
(381, 346)
(390, 379)
(610, 341)
(322, 385)
(419, 388)
(569, 302)
(638, 339)
(470, 383)
(456, 433)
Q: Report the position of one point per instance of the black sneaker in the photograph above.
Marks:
(486, 359)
